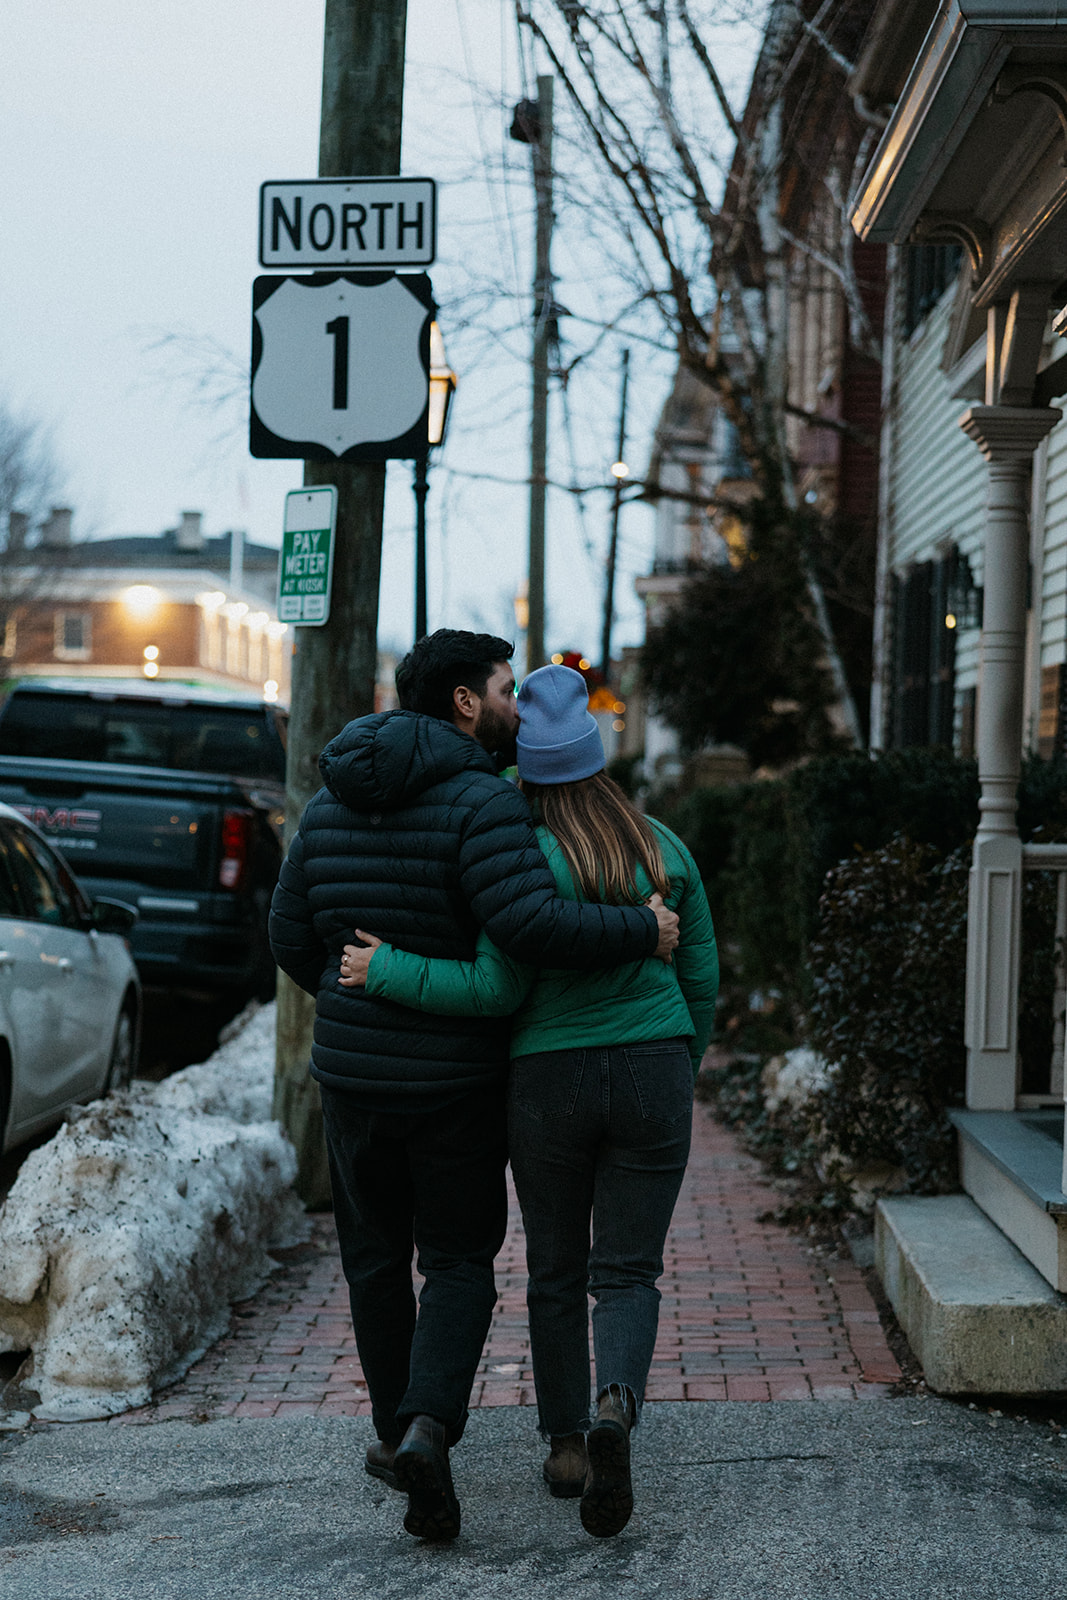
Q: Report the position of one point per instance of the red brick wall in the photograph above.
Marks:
(117, 638)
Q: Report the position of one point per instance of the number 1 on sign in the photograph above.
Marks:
(338, 329)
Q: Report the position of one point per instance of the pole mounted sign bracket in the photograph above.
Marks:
(366, 223)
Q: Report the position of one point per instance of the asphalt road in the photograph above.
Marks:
(913, 1499)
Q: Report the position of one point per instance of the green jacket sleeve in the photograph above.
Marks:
(492, 985)
(696, 959)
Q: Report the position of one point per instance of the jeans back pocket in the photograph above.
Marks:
(662, 1076)
(547, 1084)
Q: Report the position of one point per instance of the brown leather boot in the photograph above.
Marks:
(423, 1473)
(565, 1466)
(379, 1462)
(607, 1498)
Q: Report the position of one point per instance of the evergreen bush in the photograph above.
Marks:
(886, 1009)
(844, 887)
(764, 848)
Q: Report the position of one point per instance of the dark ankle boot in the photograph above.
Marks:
(423, 1473)
(565, 1466)
(379, 1462)
(607, 1498)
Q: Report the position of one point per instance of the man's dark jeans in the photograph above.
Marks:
(601, 1133)
(432, 1183)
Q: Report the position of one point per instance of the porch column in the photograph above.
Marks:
(1007, 436)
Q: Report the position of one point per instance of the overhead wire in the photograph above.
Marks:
(498, 230)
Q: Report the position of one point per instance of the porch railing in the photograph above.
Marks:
(1053, 858)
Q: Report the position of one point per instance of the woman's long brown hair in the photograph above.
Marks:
(603, 837)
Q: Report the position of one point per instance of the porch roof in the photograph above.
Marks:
(974, 149)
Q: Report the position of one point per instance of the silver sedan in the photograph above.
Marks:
(70, 998)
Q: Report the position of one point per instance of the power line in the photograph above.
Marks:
(461, 21)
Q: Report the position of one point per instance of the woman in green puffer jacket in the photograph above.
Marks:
(600, 1091)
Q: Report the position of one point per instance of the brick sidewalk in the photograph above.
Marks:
(749, 1312)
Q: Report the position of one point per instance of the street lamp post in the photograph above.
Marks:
(619, 471)
(442, 388)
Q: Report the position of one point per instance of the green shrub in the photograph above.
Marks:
(888, 973)
(886, 1011)
(764, 848)
(844, 887)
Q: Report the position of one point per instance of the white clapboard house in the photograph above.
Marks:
(968, 185)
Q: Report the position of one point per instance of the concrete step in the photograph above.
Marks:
(978, 1316)
(1011, 1164)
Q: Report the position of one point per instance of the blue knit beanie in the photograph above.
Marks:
(559, 741)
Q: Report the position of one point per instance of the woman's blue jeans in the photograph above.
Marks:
(598, 1135)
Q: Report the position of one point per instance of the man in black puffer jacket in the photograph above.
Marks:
(416, 838)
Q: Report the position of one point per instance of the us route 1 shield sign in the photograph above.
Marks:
(305, 571)
(341, 366)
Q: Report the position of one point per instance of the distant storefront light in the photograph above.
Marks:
(141, 600)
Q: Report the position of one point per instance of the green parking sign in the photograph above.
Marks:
(305, 570)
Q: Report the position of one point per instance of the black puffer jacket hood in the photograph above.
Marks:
(385, 761)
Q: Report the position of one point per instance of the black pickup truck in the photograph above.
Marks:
(167, 796)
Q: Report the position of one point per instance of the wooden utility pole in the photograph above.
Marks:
(335, 666)
(544, 325)
(613, 543)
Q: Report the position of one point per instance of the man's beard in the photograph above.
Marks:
(496, 736)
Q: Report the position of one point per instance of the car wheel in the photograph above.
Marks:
(120, 1067)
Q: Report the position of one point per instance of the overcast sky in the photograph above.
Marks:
(135, 137)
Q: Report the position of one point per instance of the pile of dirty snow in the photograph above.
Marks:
(790, 1081)
(125, 1238)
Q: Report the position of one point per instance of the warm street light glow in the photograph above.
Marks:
(619, 707)
(442, 386)
(151, 669)
(557, 660)
(950, 621)
(258, 621)
(619, 469)
(618, 724)
(270, 691)
(211, 599)
(141, 600)
(584, 665)
(235, 610)
(151, 652)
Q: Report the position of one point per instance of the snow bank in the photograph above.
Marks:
(790, 1081)
(125, 1238)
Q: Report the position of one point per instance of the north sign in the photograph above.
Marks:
(341, 366)
(367, 223)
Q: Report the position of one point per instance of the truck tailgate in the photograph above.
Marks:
(158, 828)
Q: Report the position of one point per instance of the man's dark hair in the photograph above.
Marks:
(441, 662)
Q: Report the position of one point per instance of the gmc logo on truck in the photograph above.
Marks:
(62, 820)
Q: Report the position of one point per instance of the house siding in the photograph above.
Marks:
(936, 477)
(1054, 573)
